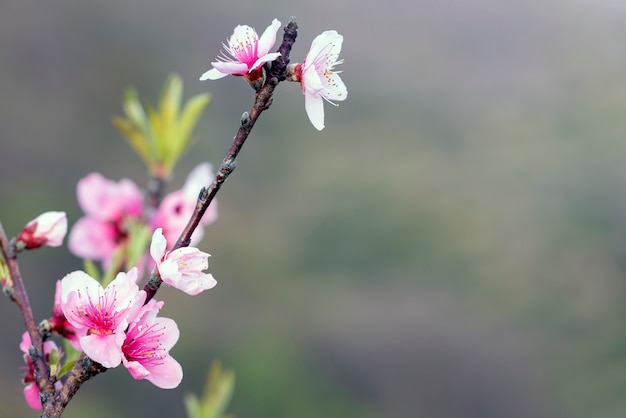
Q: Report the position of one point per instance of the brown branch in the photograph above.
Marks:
(55, 403)
(262, 101)
(17, 293)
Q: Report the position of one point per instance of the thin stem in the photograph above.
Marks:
(17, 293)
(55, 403)
(262, 101)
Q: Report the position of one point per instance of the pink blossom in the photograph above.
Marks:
(319, 81)
(248, 53)
(31, 390)
(100, 316)
(58, 322)
(49, 228)
(109, 208)
(146, 348)
(176, 208)
(181, 268)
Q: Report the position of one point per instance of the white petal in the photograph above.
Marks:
(264, 59)
(311, 82)
(268, 38)
(243, 34)
(201, 176)
(335, 89)
(314, 106)
(325, 45)
(212, 74)
(157, 247)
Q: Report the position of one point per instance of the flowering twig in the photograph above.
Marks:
(54, 404)
(262, 101)
(17, 293)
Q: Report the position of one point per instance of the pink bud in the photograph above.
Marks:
(49, 228)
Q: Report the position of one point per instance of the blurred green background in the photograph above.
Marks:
(453, 244)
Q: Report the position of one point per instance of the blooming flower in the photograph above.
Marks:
(100, 316)
(248, 52)
(176, 208)
(109, 207)
(49, 228)
(317, 77)
(146, 348)
(58, 322)
(31, 391)
(181, 268)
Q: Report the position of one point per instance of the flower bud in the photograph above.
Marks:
(49, 228)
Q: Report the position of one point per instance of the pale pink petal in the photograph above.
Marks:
(78, 281)
(103, 349)
(268, 38)
(176, 208)
(169, 332)
(167, 375)
(92, 239)
(230, 68)
(147, 345)
(188, 283)
(92, 190)
(107, 200)
(130, 198)
(135, 368)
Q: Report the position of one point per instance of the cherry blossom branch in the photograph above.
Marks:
(17, 293)
(262, 101)
(55, 403)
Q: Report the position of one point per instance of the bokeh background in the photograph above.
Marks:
(453, 244)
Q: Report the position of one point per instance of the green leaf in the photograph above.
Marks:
(66, 368)
(135, 138)
(133, 109)
(91, 269)
(216, 397)
(171, 99)
(5, 275)
(117, 260)
(138, 240)
(188, 119)
(160, 135)
(192, 406)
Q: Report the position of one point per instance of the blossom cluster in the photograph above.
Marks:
(116, 324)
(246, 54)
(109, 318)
(112, 208)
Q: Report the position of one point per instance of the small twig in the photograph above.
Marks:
(18, 294)
(54, 403)
(262, 101)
